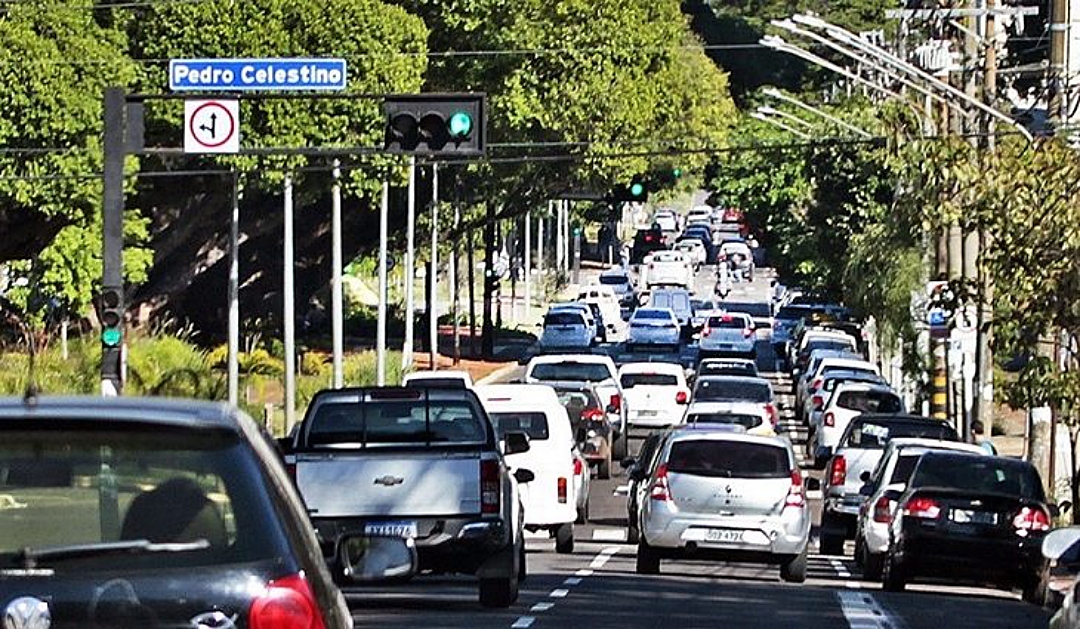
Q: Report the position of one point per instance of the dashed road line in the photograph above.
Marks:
(609, 535)
(601, 558)
(523, 623)
(844, 573)
(863, 612)
(559, 593)
(542, 606)
(572, 581)
(585, 572)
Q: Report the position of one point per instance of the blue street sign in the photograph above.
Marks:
(243, 75)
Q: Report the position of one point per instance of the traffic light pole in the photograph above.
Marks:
(487, 335)
(112, 376)
(410, 271)
(433, 276)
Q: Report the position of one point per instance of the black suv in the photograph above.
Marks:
(646, 241)
(129, 512)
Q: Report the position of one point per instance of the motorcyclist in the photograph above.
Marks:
(723, 279)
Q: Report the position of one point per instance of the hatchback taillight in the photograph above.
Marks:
(829, 419)
(681, 397)
(795, 497)
(774, 416)
(660, 489)
(592, 414)
(922, 507)
(287, 603)
(747, 332)
(883, 510)
(489, 486)
(817, 401)
(838, 471)
(816, 384)
(1031, 519)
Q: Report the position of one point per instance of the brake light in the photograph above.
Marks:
(818, 402)
(774, 416)
(562, 489)
(660, 489)
(747, 332)
(795, 497)
(883, 510)
(288, 603)
(592, 414)
(579, 467)
(838, 471)
(681, 397)
(726, 318)
(615, 403)
(816, 384)
(489, 486)
(923, 508)
(1031, 519)
(829, 419)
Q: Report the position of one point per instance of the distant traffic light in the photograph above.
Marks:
(637, 191)
(435, 124)
(112, 317)
(676, 172)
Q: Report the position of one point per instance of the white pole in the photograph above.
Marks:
(566, 234)
(540, 247)
(234, 295)
(558, 235)
(433, 340)
(380, 331)
(410, 271)
(528, 264)
(290, 312)
(336, 289)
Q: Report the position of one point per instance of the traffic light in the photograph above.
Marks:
(676, 172)
(112, 317)
(435, 124)
(637, 191)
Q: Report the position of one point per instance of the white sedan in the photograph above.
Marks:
(654, 326)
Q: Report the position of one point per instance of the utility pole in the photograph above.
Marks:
(234, 294)
(1059, 31)
(455, 284)
(112, 219)
(290, 310)
(337, 299)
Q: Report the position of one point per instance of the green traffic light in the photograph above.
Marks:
(460, 124)
(637, 189)
(676, 172)
(111, 336)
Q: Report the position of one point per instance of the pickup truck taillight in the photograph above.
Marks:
(838, 471)
(817, 401)
(489, 487)
(287, 603)
(562, 486)
(616, 403)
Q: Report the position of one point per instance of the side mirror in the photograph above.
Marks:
(813, 484)
(285, 444)
(866, 490)
(865, 476)
(637, 474)
(523, 475)
(515, 443)
(627, 463)
(364, 559)
(1064, 507)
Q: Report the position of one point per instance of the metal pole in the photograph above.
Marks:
(336, 288)
(558, 235)
(455, 293)
(234, 294)
(380, 330)
(540, 251)
(528, 264)
(289, 316)
(112, 279)
(1059, 31)
(410, 271)
(433, 307)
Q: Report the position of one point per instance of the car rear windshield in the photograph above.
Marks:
(979, 474)
(631, 380)
(436, 383)
(758, 309)
(905, 465)
(746, 421)
(729, 459)
(382, 422)
(726, 321)
(564, 318)
(874, 435)
(794, 313)
(869, 401)
(718, 369)
(577, 402)
(69, 483)
(614, 280)
(653, 315)
(723, 389)
(533, 424)
(825, 344)
(578, 372)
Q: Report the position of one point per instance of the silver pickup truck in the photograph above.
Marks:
(858, 451)
(417, 466)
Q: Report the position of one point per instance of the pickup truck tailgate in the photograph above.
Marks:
(339, 484)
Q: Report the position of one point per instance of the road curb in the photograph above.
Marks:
(498, 374)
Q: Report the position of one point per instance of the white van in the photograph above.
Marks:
(550, 499)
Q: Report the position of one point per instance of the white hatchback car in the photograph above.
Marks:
(566, 329)
(448, 379)
(848, 400)
(652, 327)
(694, 249)
(668, 268)
(550, 500)
(716, 493)
(656, 393)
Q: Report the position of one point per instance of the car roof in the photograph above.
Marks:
(657, 367)
(724, 432)
(175, 412)
(734, 407)
(651, 309)
(922, 444)
(555, 359)
(896, 418)
(853, 385)
(843, 361)
(441, 374)
(730, 361)
(732, 377)
(616, 271)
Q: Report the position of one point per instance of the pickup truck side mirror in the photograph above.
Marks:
(523, 475)
(612, 409)
(627, 463)
(865, 476)
(515, 443)
(866, 490)
(637, 474)
(285, 444)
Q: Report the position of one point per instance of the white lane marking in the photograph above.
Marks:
(559, 593)
(541, 607)
(523, 623)
(609, 535)
(585, 572)
(863, 612)
(600, 560)
(844, 573)
(572, 581)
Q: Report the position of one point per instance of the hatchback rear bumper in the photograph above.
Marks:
(769, 535)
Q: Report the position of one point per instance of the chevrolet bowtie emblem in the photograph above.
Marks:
(389, 481)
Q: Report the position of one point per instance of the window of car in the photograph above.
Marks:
(631, 380)
(754, 309)
(533, 424)
(380, 422)
(709, 389)
(69, 483)
(587, 372)
(905, 465)
(869, 402)
(978, 474)
(729, 322)
(652, 314)
(564, 318)
(614, 280)
(728, 459)
(736, 419)
(875, 434)
(721, 368)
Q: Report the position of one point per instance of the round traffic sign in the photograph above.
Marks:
(212, 125)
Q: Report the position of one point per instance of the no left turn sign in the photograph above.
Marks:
(211, 126)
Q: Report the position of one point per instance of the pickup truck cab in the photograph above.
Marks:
(550, 499)
(446, 379)
(422, 464)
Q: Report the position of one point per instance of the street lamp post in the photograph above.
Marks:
(777, 94)
(786, 127)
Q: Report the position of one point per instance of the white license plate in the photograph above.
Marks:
(646, 413)
(967, 516)
(723, 535)
(390, 529)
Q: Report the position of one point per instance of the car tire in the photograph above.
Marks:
(564, 539)
(893, 578)
(830, 543)
(500, 592)
(1034, 592)
(603, 468)
(618, 448)
(583, 514)
(648, 560)
(794, 569)
(633, 536)
(873, 565)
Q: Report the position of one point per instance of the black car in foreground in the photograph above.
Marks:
(142, 513)
(968, 518)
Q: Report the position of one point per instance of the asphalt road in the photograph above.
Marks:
(597, 587)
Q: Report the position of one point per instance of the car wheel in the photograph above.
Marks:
(618, 448)
(893, 578)
(564, 539)
(648, 560)
(1034, 593)
(523, 570)
(583, 513)
(873, 565)
(603, 469)
(830, 543)
(501, 592)
(794, 569)
(633, 536)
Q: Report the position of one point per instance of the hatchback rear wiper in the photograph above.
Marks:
(29, 557)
